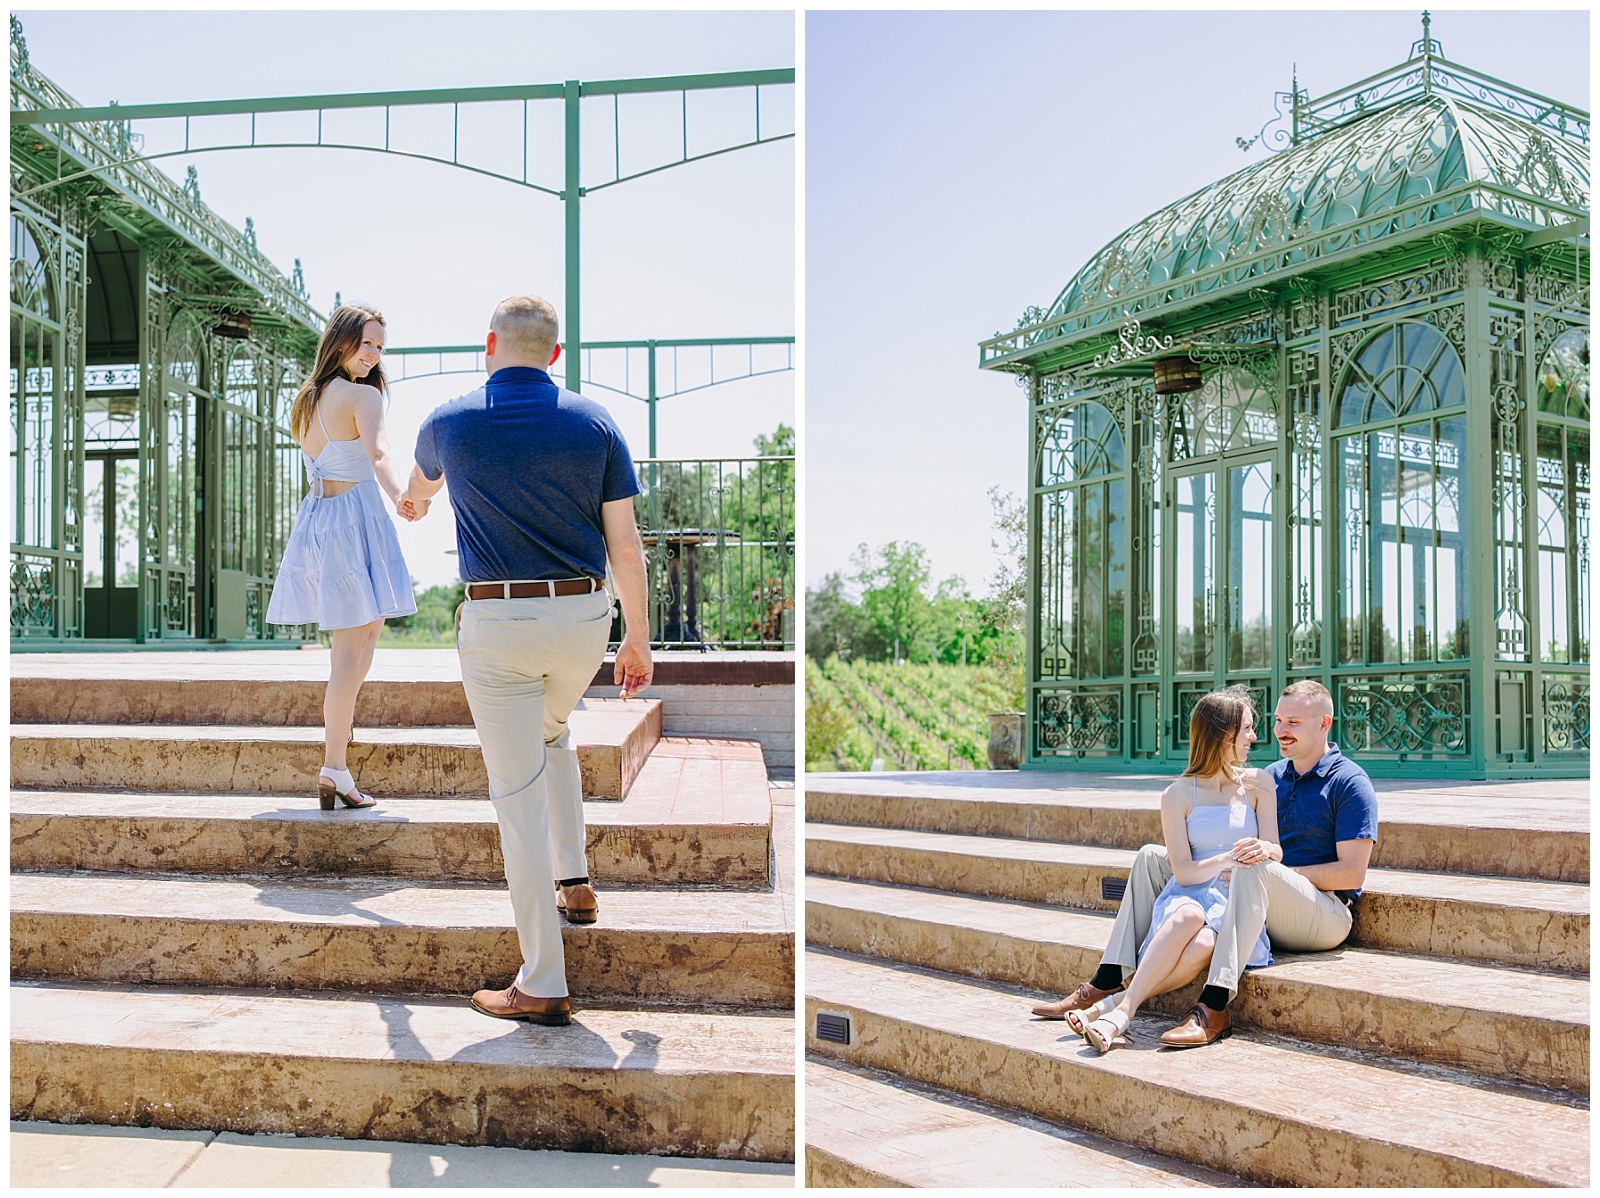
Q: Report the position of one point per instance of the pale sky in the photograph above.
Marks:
(703, 250)
(962, 166)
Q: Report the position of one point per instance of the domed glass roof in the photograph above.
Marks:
(1389, 160)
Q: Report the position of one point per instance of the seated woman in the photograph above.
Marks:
(1213, 805)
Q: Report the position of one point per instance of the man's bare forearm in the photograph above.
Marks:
(421, 486)
(1334, 875)
(626, 554)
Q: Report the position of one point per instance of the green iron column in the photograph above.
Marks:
(570, 196)
(652, 400)
(1477, 517)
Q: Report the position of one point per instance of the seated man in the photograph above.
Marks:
(1327, 825)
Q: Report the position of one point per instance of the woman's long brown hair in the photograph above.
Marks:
(338, 343)
(1213, 725)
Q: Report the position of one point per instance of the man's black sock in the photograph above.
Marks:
(1215, 997)
(583, 881)
(1107, 977)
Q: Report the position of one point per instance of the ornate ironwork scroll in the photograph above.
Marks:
(1403, 715)
(1508, 497)
(1132, 343)
(1085, 721)
(1566, 714)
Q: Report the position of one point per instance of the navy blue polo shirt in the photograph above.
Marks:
(1330, 802)
(529, 465)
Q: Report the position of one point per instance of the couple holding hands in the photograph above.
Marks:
(1254, 860)
(542, 486)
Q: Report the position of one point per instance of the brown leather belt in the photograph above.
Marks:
(544, 589)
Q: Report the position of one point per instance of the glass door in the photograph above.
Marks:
(111, 545)
(1221, 529)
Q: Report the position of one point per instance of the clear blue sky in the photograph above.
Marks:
(961, 166)
(702, 250)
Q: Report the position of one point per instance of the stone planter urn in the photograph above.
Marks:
(1005, 740)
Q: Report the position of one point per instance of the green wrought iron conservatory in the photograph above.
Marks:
(1327, 418)
(154, 355)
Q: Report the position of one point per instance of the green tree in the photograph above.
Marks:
(1005, 611)
(835, 627)
(892, 582)
(827, 725)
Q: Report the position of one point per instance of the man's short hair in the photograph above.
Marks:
(1306, 688)
(527, 326)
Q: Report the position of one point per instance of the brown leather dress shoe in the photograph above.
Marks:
(578, 903)
(1199, 1027)
(1086, 995)
(511, 1003)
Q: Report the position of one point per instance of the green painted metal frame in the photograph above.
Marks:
(652, 394)
(571, 93)
(218, 268)
(1501, 291)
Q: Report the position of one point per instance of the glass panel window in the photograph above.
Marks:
(1564, 376)
(1562, 469)
(1229, 411)
(94, 522)
(125, 553)
(1194, 581)
(1080, 443)
(1250, 566)
(1403, 561)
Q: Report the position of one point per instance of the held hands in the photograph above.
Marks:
(634, 668)
(1251, 851)
(411, 508)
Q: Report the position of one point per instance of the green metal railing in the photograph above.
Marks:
(719, 546)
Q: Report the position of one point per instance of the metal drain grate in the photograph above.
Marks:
(833, 1027)
(1111, 889)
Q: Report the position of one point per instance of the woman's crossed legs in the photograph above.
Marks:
(1178, 952)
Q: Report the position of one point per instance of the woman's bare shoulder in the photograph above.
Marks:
(1178, 790)
(1258, 782)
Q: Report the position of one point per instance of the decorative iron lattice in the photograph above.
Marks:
(33, 596)
(1397, 292)
(1080, 721)
(719, 548)
(1566, 715)
(1451, 320)
(1189, 696)
(1508, 492)
(255, 626)
(1305, 316)
(1402, 715)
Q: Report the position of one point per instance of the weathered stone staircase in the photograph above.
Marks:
(1447, 1044)
(194, 944)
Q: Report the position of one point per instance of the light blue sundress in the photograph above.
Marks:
(1213, 828)
(342, 566)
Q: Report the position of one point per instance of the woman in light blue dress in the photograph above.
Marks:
(1217, 804)
(342, 568)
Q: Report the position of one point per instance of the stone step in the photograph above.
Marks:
(1510, 829)
(424, 1070)
(613, 736)
(1270, 1109)
(701, 947)
(293, 702)
(1517, 1026)
(699, 812)
(867, 1128)
(86, 1155)
(1542, 925)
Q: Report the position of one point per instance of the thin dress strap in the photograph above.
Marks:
(317, 490)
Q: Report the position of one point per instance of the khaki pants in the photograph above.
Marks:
(1298, 917)
(525, 663)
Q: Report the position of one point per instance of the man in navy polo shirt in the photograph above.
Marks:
(542, 486)
(1327, 826)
